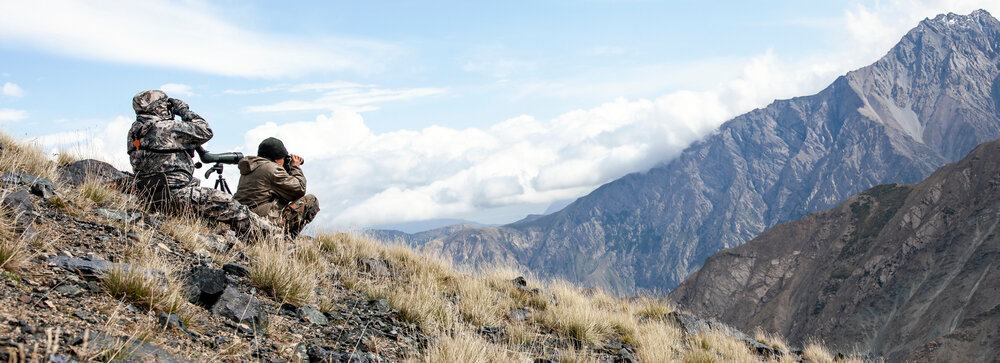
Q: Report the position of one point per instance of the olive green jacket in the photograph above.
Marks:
(266, 188)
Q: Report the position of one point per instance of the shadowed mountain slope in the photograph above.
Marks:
(903, 271)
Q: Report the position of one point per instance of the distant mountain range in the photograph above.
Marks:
(930, 100)
(908, 272)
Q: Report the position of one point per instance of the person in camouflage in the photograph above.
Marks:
(161, 148)
(273, 185)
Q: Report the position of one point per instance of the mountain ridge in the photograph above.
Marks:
(902, 271)
(929, 100)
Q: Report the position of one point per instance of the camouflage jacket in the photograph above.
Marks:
(265, 186)
(164, 145)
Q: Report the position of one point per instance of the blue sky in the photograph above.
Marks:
(419, 110)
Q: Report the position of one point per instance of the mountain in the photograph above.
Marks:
(908, 272)
(423, 226)
(930, 100)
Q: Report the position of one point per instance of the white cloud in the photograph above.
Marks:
(364, 178)
(176, 89)
(7, 114)
(184, 35)
(106, 142)
(339, 95)
(12, 90)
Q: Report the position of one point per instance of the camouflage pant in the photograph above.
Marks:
(297, 214)
(213, 204)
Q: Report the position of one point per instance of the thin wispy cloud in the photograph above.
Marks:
(183, 35)
(175, 89)
(9, 115)
(341, 95)
(12, 90)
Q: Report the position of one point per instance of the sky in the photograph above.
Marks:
(408, 111)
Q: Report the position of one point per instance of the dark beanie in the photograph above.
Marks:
(272, 149)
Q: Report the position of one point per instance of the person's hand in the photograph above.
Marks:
(297, 160)
(176, 106)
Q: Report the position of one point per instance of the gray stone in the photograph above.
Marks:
(240, 308)
(79, 172)
(519, 314)
(171, 321)
(125, 217)
(312, 315)
(214, 242)
(236, 269)
(19, 203)
(376, 267)
(69, 290)
(380, 305)
(208, 285)
(132, 350)
(88, 269)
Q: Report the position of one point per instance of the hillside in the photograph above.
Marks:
(904, 271)
(933, 97)
(86, 274)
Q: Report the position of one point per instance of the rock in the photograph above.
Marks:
(320, 354)
(625, 356)
(214, 242)
(236, 269)
(380, 305)
(520, 281)
(240, 308)
(377, 268)
(171, 321)
(19, 203)
(56, 358)
(493, 334)
(208, 285)
(69, 290)
(88, 269)
(133, 350)
(42, 187)
(301, 354)
(519, 314)
(312, 315)
(125, 217)
(78, 172)
(203, 253)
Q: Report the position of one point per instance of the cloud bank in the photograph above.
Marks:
(183, 35)
(363, 178)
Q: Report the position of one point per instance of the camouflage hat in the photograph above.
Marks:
(151, 102)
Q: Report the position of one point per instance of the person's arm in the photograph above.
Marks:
(289, 185)
(192, 130)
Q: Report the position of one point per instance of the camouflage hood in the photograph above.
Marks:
(152, 102)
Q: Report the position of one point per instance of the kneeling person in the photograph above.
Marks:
(275, 190)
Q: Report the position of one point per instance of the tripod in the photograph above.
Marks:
(220, 183)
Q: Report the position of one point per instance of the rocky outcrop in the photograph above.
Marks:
(930, 100)
(903, 271)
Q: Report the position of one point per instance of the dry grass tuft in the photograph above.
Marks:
(278, 272)
(19, 155)
(653, 308)
(466, 347)
(575, 316)
(658, 341)
(772, 340)
(13, 248)
(185, 228)
(149, 282)
(815, 351)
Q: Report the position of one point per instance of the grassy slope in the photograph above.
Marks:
(449, 304)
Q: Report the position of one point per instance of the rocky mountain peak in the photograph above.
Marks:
(929, 101)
